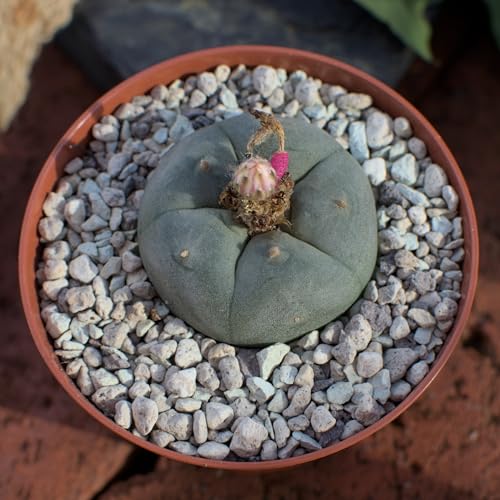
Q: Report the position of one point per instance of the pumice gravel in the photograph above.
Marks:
(152, 374)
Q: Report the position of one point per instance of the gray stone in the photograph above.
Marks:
(55, 269)
(179, 425)
(248, 438)
(287, 374)
(83, 269)
(299, 402)
(353, 100)
(260, 389)
(187, 405)
(434, 180)
(242, 407)
(446, 309)
(281, 431)
(181, 383)
(322, 420)
(390, 239)
(279, 402)
(197, 99)
(207, 376)
(269, 450)
(184, 447)
(298, 423)
(406, 259)
(106, 397)
(398, 360)
(270, 357)
(207, 83)
(368, 363)
(322, 354)
(161, 438)
(306, 441)
(307, 93)
(402, 127)
(187, 354)
(123, 414)
(287, 451)
(422, 317)
(57, 250)
(228, 99)
(57, 323)
(229, 368)
(305, 377)
(417, 372)
(265, 80)
(80, 298)
(345, 351)
(145, 414)
(423, 282)
(399, 328)
(309, 341)
(441, 225)
(378, 130)
(417, 147)
(53, 288)
(376, 170)
(340, 393)
(214, 451)
(399, 390)
(115, 334)
(451, 197)
(181, 128)
(218, 415)
(381, 384)
(94, 223)
(405, 170)
(113, 197)
(200, 429)
(412, 195)
(105, 132)
(351, 427)
(358, 145)
(367, 410)
(359, 331)
(102, 378)
(423, 335)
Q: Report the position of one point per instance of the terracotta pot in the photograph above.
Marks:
(329, 70)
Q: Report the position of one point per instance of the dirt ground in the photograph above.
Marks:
(445, 447)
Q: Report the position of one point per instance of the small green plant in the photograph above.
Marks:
(407, 20)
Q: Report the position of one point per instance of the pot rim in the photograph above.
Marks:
(318, 66)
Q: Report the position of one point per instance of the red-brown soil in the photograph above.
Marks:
(447, 446)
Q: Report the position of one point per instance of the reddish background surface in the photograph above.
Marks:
(445, 447)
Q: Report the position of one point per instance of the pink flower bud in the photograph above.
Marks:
(255, 179)
(279, 161)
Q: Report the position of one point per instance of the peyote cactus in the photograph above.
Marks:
(245, 287)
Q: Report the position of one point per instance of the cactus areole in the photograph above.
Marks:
(256, 231)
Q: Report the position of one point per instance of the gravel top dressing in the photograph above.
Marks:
(153, 374)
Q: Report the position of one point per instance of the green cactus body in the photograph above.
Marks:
(275, 286)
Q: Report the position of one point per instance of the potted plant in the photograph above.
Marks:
(254, 231)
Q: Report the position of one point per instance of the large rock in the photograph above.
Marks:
(113, 39)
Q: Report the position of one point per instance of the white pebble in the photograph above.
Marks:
(375, 169)
(214, 451)
(50, 228)
(270, 357)
(188, 353)
(218, 416)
